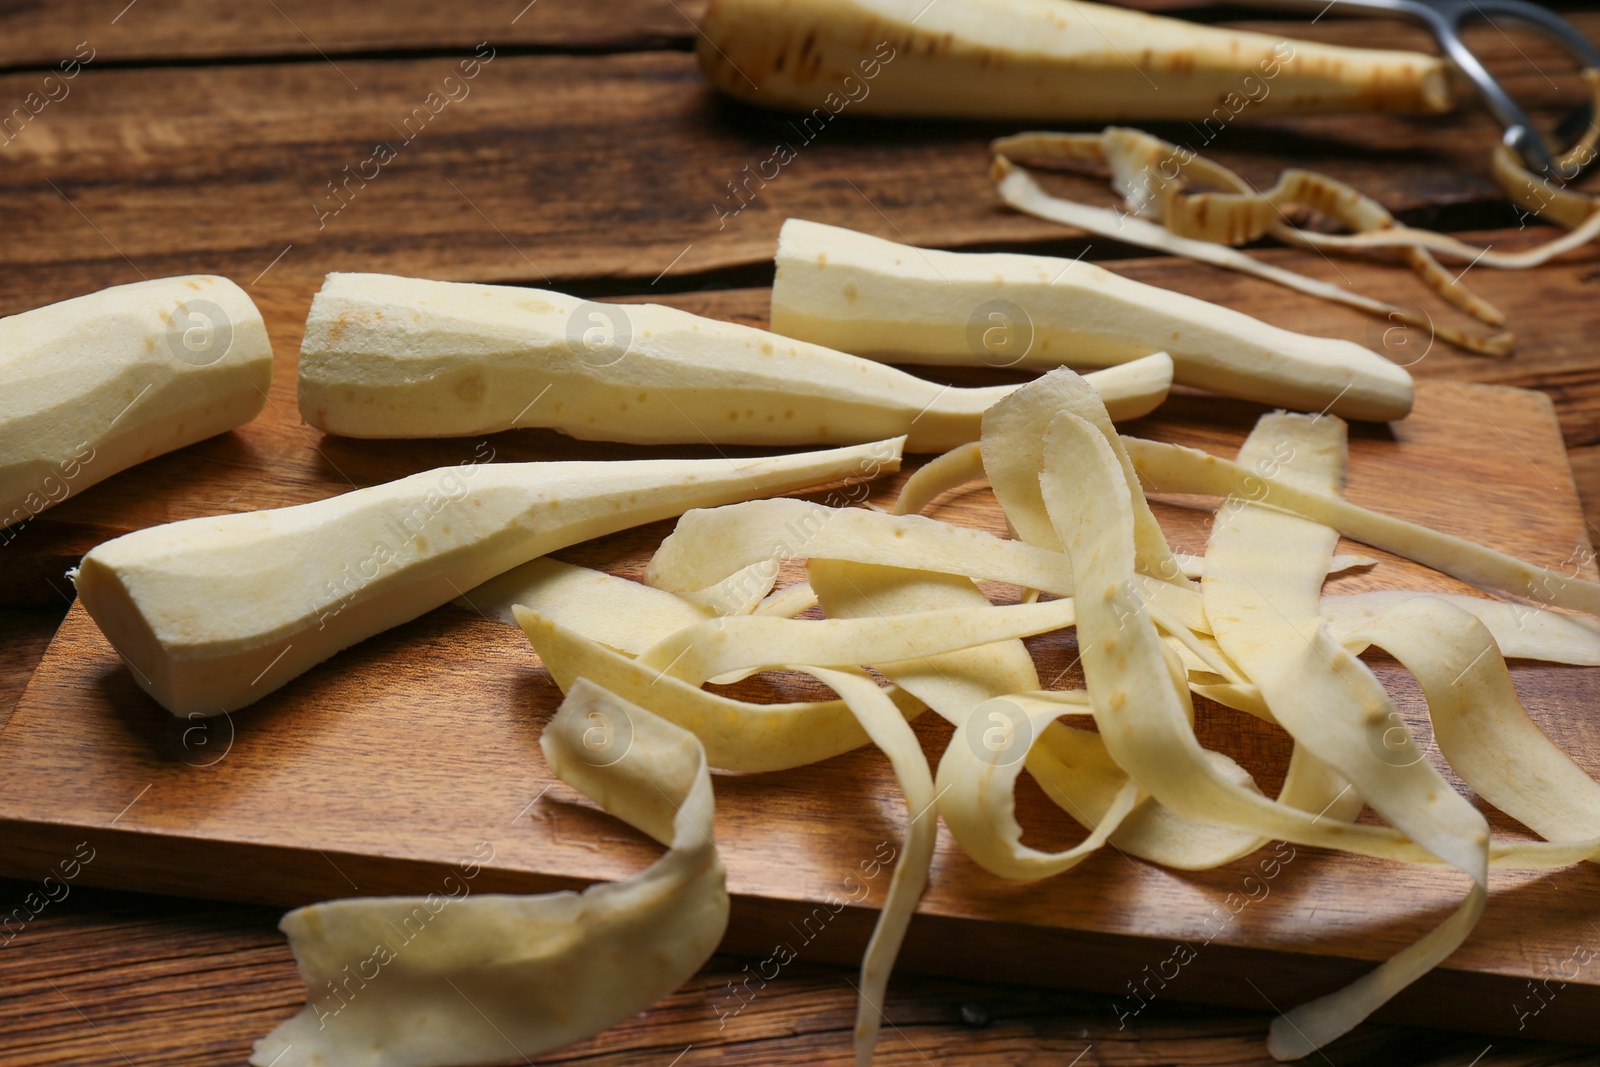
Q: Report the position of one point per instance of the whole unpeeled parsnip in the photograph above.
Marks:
(1040, 59)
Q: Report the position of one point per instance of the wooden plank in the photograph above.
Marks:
(191, 30)
(180, 983)
(551, 167)
(215, 30)
(332, 760)
(24, 636)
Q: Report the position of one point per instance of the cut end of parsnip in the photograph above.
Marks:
(99, 383)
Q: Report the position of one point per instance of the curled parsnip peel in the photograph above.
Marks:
(1071, 765)
(720, 646)
(453, 978)
(1178, 469)
(627, 616)
(1264, 574)
(1481, 728)
(717, 646)
(1201, 207)
(1016, 435)
(1262, 590)
(894, 738)
(738, 736)
(1018, 188)
(98, 383)
(1158, 181)
(623, 615)
(1139, 704)
(1013, 444)
(1146, 723)
(885, 724)
(899, 304)
(1039, 59)
(1519, 630)
(214, 613)
(1085, 782)
(385, 356)
(956, 468)
(730, 547)
(977, 786)
(1560, 204)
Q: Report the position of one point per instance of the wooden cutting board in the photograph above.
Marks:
(382, 769)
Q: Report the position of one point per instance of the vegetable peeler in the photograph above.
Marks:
(1445, 20)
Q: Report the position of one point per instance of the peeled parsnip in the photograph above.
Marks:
(1040, 59)
(212, 614)
(889, 301)
(402, 357)
(93, 385)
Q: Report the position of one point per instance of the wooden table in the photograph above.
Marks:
(588, 155)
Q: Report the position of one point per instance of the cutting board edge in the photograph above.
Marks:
(1013, 953)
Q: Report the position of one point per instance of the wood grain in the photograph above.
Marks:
(376, 771)
(37, 35)
(209, 172)
(563, 167)
(99, 979)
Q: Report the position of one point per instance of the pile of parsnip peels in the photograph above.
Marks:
(902, 603)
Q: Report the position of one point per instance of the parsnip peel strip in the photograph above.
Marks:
(627, 616)
(892, 734)
(1480, 726)
(455, 979)
(1142, 720)
(1071, 765)
(1302, 1030)
(1168, 468)
(1157, 181)
(1146, 725)
(720, 645)
(950, 471)
(1013, 456)
(951, 683)
(738, 736)
(1264, 574)
(711, 547)
(979, 781)
(1520, 631)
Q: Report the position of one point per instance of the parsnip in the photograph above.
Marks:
(402, 357)
(93, 385)
(212, 614)
(1039, 59)
(888, 301)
